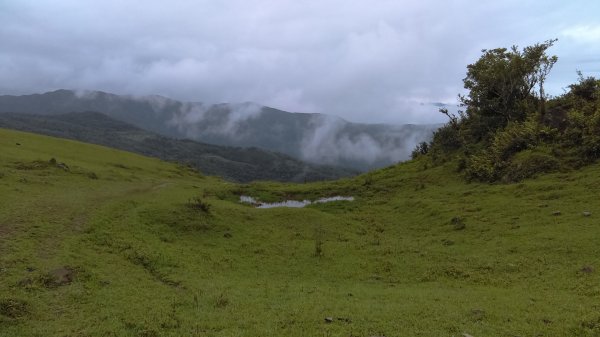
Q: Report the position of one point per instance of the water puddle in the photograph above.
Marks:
(291, 203)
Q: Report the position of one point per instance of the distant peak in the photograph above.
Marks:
(60, 92)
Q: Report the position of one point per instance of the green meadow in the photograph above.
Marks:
(100, 242)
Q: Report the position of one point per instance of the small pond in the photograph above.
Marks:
(291, 203)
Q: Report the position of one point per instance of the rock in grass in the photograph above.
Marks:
(328, 319)
(466, 335)
(586, 213)
(556, 213)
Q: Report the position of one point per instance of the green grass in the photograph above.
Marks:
(393, 263)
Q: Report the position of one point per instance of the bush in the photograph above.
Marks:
(528, 164)
(514, 138)
(420, 150)
(490, 164)
(481, 167)
(591, 137)
(446, 140)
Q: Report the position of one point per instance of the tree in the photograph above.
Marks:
(502, 86)
(587, 88)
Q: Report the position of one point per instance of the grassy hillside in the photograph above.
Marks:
(117, 246)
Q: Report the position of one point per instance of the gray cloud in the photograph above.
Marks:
(364, 61)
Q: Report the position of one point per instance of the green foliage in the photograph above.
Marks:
(512, 139)
(446, 140)
(489, 164)
(420, 150)
(584, 133)
(588, 89)
(530, 163)
(510, 130)
(481, 167)
(501, 84)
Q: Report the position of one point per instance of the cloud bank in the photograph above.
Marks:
(364, 61)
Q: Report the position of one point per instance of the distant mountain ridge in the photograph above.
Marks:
(315, 138)
(234, 164)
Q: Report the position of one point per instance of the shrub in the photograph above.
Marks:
(591, 137)
(481, 167)
(490, 164)
(528, 164)
(446, 140)
(420, 150)
(514, 138)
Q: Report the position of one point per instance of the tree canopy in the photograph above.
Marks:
(508, 128)
(502, 85)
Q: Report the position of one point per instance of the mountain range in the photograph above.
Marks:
(232, 163)
(315, 138)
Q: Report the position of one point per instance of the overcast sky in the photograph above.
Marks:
(366, 61)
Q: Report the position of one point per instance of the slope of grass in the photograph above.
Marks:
(116, 246)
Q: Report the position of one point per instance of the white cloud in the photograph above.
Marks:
(583, 33)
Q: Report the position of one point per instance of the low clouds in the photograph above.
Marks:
(315, 138)
(330, 140)
(364, 61)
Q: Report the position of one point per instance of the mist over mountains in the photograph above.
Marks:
(315, 138)
(231, 163)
